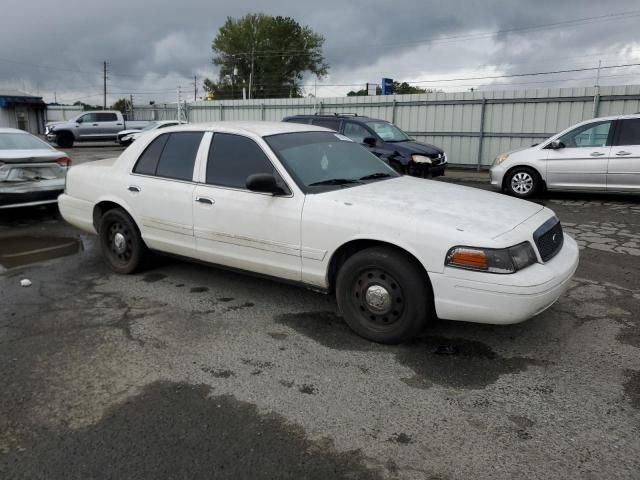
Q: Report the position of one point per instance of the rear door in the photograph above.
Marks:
(160, 192)
(109, 124)
(623, 172)
(240, 228)
(582, 163)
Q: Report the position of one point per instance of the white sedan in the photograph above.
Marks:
(127, 137)
(307, 205)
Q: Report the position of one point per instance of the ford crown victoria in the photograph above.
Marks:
(305, 204)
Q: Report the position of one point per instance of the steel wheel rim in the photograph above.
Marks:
(522, 183)
(377, 298)
(120, 242)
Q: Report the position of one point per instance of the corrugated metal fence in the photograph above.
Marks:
(473, 127)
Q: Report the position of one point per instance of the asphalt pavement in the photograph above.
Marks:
(188, 371)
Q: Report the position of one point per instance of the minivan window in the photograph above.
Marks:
(232, 158)
(356, 132)
(331, 123)
(629, 132)
(589, 135)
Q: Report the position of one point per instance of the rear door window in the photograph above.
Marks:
(171, 155)
(107, 117)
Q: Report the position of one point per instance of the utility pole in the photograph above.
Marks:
(104, 80)
(596, 95)
(195, 88)
(178, 104)
(131, 106)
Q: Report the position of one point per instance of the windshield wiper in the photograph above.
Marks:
(335, 181)
(375, 175)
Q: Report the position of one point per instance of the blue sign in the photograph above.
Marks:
(387, 86)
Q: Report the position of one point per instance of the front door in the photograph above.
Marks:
(623, 172)
(581, 164)
(88, 126)
(160, 189)
(240, 228)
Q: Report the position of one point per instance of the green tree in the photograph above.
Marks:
(121, 104)
(278, 50)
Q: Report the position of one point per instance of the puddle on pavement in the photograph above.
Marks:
(26, 250)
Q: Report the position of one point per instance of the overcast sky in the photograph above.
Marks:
(152, 47)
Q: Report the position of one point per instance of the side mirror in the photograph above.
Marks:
(370, 141)
(79, 120)
(265, 183)
(556, 145)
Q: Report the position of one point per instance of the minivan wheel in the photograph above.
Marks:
(122, 246)
(523, 182)
(383, 295)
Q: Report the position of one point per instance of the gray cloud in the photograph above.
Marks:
(154, 46)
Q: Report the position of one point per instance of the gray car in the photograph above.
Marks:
(31, 171)
(598, 155)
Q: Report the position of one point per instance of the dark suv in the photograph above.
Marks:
(385, 140)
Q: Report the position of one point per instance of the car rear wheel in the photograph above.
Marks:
(64, 140)
(122, 245)
(383, 295)
(523, 182)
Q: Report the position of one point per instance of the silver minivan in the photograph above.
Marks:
(598, 155)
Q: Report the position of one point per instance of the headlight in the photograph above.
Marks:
(492, 260)
(420, 159)
(500, 158)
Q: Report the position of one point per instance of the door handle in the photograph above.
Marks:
(622, 153)
(205, 200)
(134, 188)
(118, 124)
(596, 154)
(96, 125)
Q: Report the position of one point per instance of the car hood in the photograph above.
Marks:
(129, 132)
(465, 209)
(411, 147)
(29, 156)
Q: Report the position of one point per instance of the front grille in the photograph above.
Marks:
(549, 239)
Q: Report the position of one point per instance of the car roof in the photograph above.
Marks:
(261, 129)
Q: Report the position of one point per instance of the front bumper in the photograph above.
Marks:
(504, 299)
(497, 175)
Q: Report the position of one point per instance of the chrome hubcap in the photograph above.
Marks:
(119, 242)
(522, 183)
(378, 298)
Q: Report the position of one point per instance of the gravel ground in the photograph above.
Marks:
(187, 371)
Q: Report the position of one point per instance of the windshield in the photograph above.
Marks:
(388, 131)
(22, 141)
(321, 161)
(151, 126)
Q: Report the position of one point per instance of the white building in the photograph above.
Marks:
(21, 110)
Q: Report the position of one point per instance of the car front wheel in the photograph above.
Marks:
(383, 295)
(122, 246)
(523, 182)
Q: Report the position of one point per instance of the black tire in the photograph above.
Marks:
(392, 317)
(64, 140)
(127, 257)
(523, 182)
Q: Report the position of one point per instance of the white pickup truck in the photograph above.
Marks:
(89, 127)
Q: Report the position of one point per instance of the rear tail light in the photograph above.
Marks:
(64, 162)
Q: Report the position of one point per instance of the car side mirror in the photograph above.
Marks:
(370, 141)
(265, 183)
(556, 145)
(79, 120)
